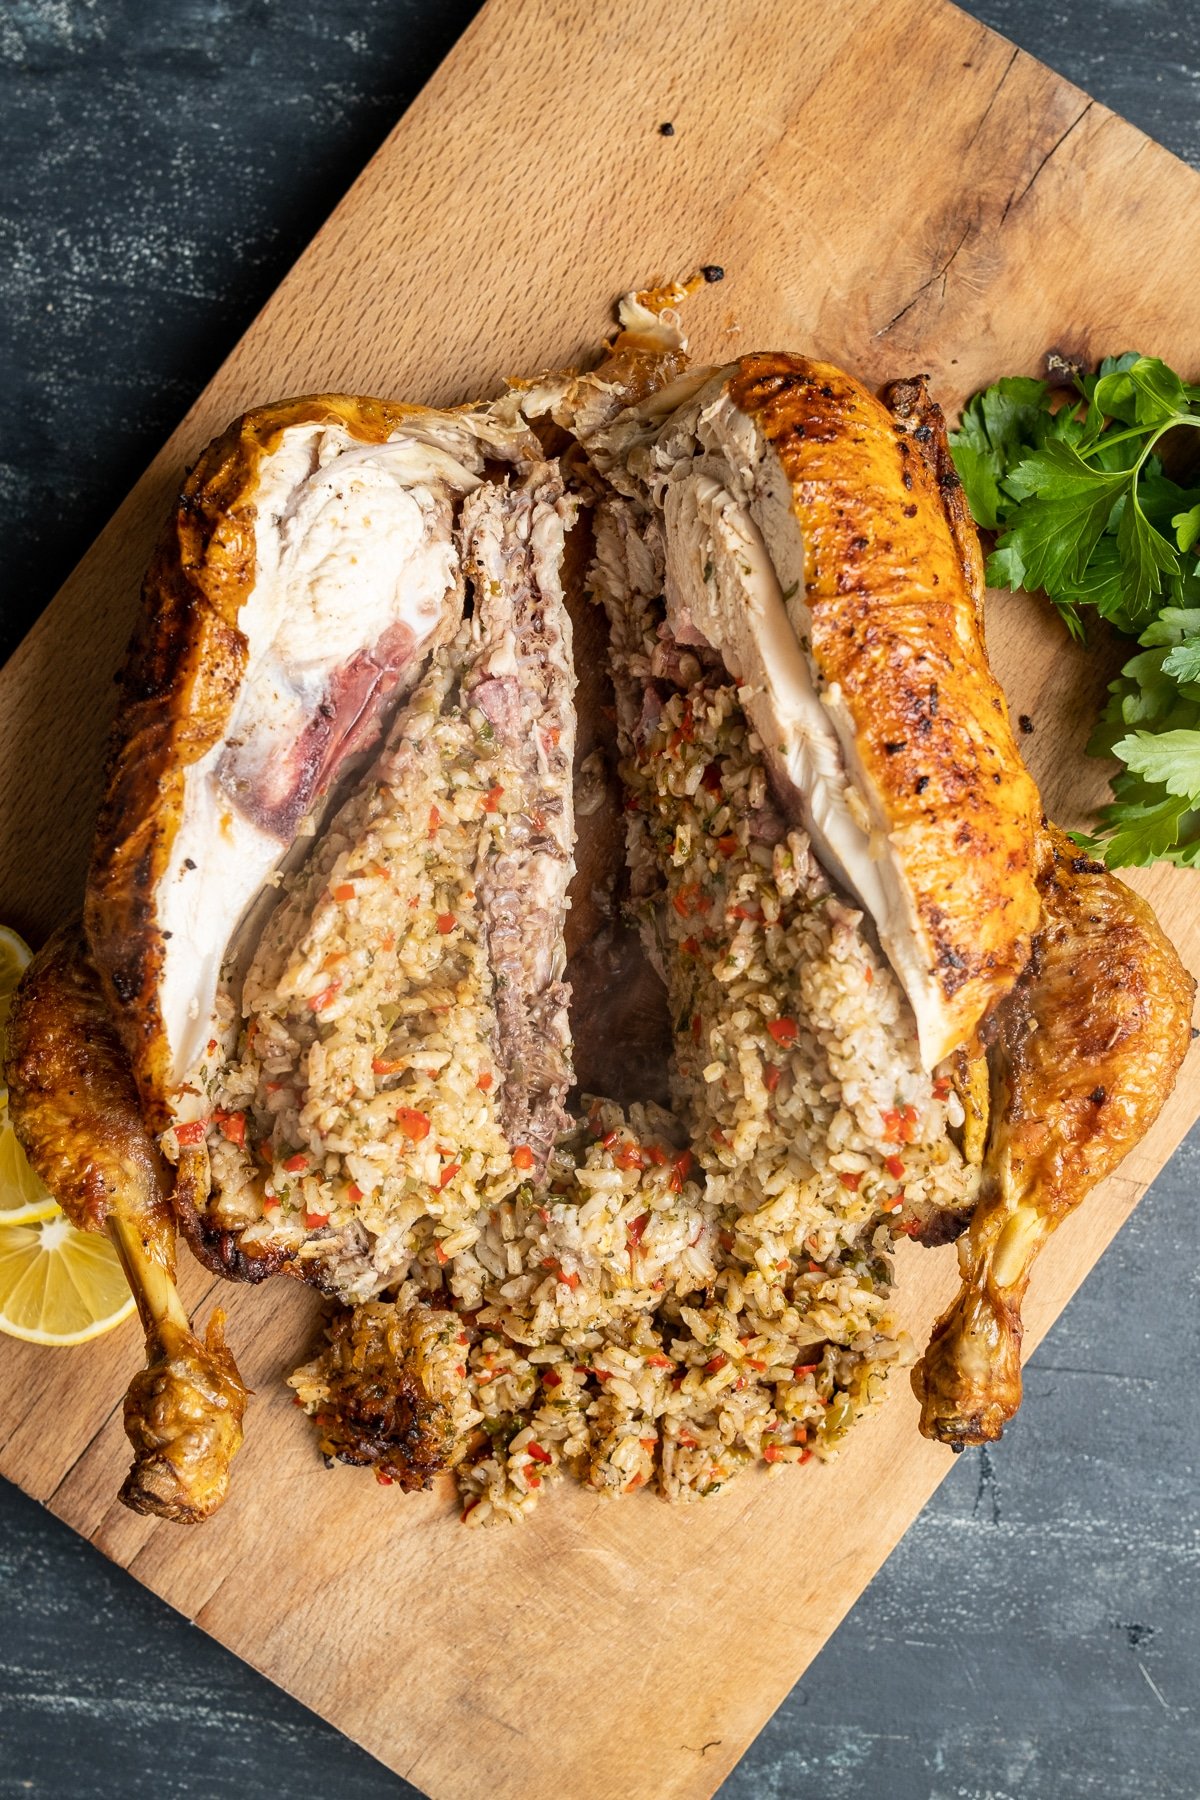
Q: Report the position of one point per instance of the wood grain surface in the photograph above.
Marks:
(606, 1650)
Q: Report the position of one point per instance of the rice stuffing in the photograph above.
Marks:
(687, 1293)
(364, 1097)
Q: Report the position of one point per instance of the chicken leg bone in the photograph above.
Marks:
(75, 1111)
(1083, 1054)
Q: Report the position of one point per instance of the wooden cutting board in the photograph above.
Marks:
(886, 184)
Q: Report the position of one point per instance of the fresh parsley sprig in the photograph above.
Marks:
(1074, 488)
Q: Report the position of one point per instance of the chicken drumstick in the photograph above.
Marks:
(75, 1110)
(1084, 1052)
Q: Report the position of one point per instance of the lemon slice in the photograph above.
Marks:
(23, 1199)
(15, 958)
(59, 1285)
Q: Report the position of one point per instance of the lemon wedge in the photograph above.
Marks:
(23, 1199)
(15, 958)
(59, 1285)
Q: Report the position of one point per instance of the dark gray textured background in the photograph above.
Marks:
(1036, 1635)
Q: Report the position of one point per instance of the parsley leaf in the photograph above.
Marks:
(1065, 506)
(1184, 662)
(1187, 527)
(997, 426)
(1145, 556)
(1170, 757)
(1143, 392)
(1152, 725)
(1141, 832)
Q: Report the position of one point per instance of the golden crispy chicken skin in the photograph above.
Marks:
(915, 410)
(892, 590)
(1084, 1052)
(75, 1109)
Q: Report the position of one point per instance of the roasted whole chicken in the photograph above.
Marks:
(320, 1012)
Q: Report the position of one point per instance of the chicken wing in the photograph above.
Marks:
(1083, 1054)
(75, 1109)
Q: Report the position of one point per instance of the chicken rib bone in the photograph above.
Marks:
(1084, 1052)
(75, 1111)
